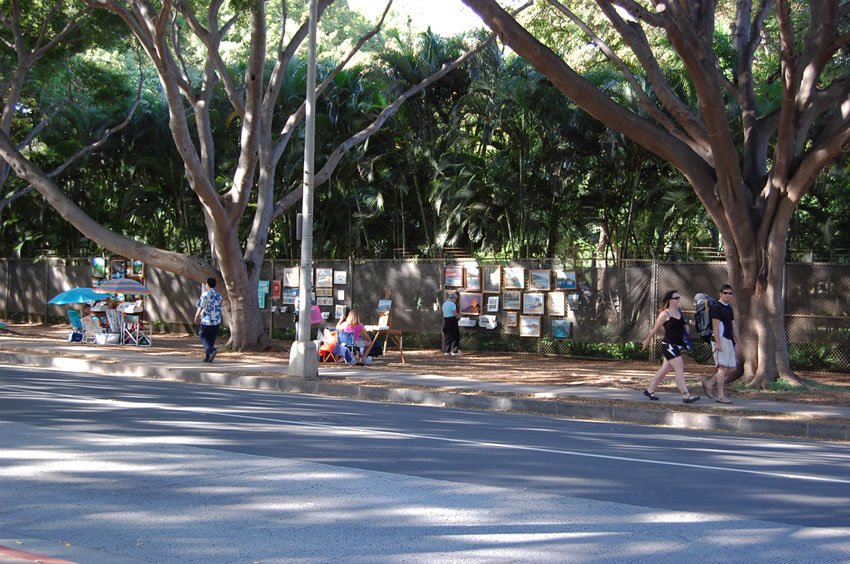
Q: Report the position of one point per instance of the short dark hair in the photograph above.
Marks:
(211, 282)
(725, 287)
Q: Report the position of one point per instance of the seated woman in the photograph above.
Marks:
(351, 324)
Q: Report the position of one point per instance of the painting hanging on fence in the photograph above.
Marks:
(511, 319)
(511, 299)
(324, 278)
(529, 326)
(473, 278)
(290, 276)
(339, 312)
(491, 278)
(562, 328)
(325, 301)
(556, 304)
(533, 303)
(492, 304)
(98, 267)
(514, 278)
(539, 280)
(340, 276)
(565, 279)
(453, 277)
(470, 303)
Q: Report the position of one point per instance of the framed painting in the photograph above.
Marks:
(290, 296)
(324, 292)
(290, 277)
(533, 303)
(118, 269)
(573, 298)
(556, 304)
(98, 267)
(514, 278)
(138, 267)
(470, 303)
(324, 278)
(339, 312)
(511, 299)
(565, 279)
(529, 326)
(492, 304)
(511, 319)
(473, 279)
(491, 278)
(324, 301)
(562, 328)
(340, 295)
(453, 277)
(340, 276)
(539, 280)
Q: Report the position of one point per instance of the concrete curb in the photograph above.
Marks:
(389, 392)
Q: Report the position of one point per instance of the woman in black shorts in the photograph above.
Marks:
(672, 346)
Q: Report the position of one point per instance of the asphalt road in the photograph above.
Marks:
(382, 482)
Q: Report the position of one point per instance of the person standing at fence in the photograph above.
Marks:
(451, 330)
(723, 340)
(673, 345)
(209, 315)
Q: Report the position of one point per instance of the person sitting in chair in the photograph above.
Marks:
(351, 324)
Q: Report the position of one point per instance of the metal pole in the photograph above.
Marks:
(303, 359)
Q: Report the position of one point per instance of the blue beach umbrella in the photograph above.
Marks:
(76, 296)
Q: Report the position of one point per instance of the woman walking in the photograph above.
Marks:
(672, 346)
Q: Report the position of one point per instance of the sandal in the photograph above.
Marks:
(690, 399)
(725, 401)
(650, 395)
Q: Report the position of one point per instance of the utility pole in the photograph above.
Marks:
(303, 357)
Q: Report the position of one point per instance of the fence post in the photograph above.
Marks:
(653, 305)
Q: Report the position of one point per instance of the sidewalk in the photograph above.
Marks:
(377, 383)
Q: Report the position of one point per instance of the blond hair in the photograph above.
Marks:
(353, 318)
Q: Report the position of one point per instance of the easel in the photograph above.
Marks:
(384, 326)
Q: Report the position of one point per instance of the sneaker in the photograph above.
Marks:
(458, 353)
(212, 355)
(446, 354)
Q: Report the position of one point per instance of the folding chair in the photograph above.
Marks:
(346, 343)
(329, 345)
(91, 328)
(75, 320)
(116, 323)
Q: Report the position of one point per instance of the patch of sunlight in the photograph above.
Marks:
(678, 517)
(813, 533)
(65, 467)
(514, 538)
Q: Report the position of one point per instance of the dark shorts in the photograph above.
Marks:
(671, 351)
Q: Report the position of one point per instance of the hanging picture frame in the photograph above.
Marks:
(511, 319)
(514, 278)
(470, 303)
(473, 278)
(324, 278)
(492, 304)
(512, 299)
(324, 301)
(339, 312)
(98, 267)
(565, 280)
(291, 276)
(539, 280)
(533, 303)
(529, 326)
(340, 277)
(556, 304)
(453, 277)
(562, 328)
(491, 278)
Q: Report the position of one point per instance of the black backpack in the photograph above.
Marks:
(702, 316)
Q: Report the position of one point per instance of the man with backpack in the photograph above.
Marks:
(725, 335)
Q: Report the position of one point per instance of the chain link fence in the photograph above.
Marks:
(608, 307)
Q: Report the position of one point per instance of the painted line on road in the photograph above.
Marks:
(360, 431)
(31, 556)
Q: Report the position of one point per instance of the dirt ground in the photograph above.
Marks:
(822, 388)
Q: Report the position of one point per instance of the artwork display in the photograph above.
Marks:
(324, 292)
(533, 303)
(453, 277)
(117, 269)
(556, 304)
(511, 299)
(511, 319)
(565, 279)
(98, 267)
(339, 312)
(492, 304)
(324, 278)
(470, 303)
(340, 276)
(562, 328)
(340, 295)
(539, 280)
(138, 268)
(514, 277)
(491, 278)
(325, 301)
(290, 296)
(473, 278)
(290, 277)
(573, 299)
(277, 289)
(529, 326)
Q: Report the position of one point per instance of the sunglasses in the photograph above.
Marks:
(675, 297)
(726, 293)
